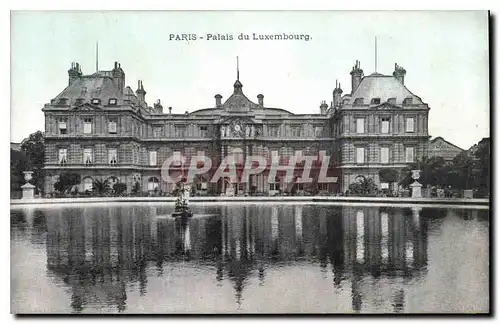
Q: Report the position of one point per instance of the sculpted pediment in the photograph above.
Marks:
(238, 103)
(386, 105)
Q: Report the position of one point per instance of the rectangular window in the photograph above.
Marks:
(203, 131)
(63, 127)
(112, 156)
(323, 186)
(200, 153)
(318, 130)
(410, 125)
(273, 130)
(360, 125)
(158, 131)
(177, 158)
(87, 156)
(360, 155)
(152, 158)
(384, 155)
(296, 131)
(180, 131)
(63, 156)
(274, 186)
(112, 127)
(87, 125)
(410, 154)
(385, 125)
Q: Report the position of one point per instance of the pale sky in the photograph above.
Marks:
(445, 55)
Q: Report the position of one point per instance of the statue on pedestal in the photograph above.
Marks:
(416, 187)
(28, 188)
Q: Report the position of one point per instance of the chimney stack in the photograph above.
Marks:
(260, 97)
(141, 93)
(356, 76)
(170, 110)
(158, 107)
(74, 72)
(118, 77)
(399, 73)
(337, 94)
(218, 101)
(323, 108)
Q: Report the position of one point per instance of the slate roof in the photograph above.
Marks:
(381, 86)
(89, 87)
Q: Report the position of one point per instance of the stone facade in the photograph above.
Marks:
(102, 129)
(380, 124)
(442, 148)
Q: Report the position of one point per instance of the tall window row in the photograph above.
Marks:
(384, 157)
(384, 125)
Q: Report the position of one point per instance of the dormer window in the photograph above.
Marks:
(84, 91)
(96, 101)
(392, 101)
(79, 101)
(358, 101)
(375, 101)
(408, 101)
(112, 102)
(62, 101)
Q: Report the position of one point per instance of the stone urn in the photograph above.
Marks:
(28, 189)
(416, 187)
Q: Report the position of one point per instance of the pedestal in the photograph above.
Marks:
(416, 190)
(28, 191)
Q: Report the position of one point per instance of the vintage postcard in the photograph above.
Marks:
(250, 162)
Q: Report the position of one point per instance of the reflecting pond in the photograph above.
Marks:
(249, 258)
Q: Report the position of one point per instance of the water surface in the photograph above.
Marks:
(236, 258)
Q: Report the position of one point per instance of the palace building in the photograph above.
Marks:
(103, 130)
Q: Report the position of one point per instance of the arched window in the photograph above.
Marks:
(153, 183)
(88, 184)
(237, 154)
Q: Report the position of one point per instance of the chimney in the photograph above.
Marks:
(74, 72)
(218, 101)
(118, 77)
(323, 107)
(399, 73)
(337, 94)
(260, 97)
(141, 93)
(356, 76)
(170, 110)
(158, 107)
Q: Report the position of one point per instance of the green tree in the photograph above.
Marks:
(363, 186)
(120, 188)
(136, 188)
(482, 167)
(66, 182)
(101, 187)
(433, 172)
(18, 164)
(34, 149)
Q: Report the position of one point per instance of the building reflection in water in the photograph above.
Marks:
(102, 253)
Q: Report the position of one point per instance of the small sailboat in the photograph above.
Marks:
(182, 203)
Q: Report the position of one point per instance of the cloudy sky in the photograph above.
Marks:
(445, 55)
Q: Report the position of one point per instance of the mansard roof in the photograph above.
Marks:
(88, 88)
(385, 87)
